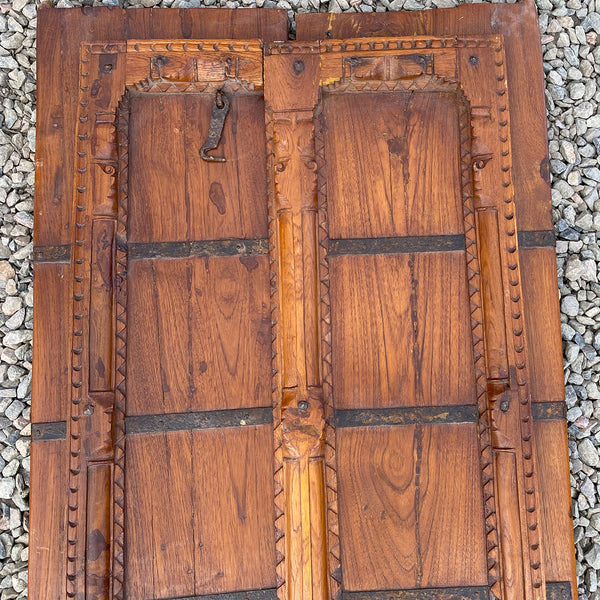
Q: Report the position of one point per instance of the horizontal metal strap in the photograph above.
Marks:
(558, 591)
(548, 410)
(210, 419)
(268, 594)
(536, 239)
(52, 254)
(453, 593)
(203, 248)
(372, 417)
(397, 245)
(554, 591)
(42, 432)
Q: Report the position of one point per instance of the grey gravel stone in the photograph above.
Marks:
(592, 557)
(570, 306)
(588, 452)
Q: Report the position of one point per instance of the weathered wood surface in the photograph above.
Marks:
(63, 563)
(307, 371)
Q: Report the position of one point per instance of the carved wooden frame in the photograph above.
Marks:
(115, 165)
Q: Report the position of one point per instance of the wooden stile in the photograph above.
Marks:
(301, 332)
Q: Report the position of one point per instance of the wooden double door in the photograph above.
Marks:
(298, 353)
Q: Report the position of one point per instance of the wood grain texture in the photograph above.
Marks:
(492, 292)
(174, 194)
(48, 520)
(51, 343)
(557, 524)
(542, 318)
(401, 331)
(405, 523)
(102, 311)
(98, 548)
(200, 336)
(395, 189)
(291, 76)
(519, 27)
(199, 513)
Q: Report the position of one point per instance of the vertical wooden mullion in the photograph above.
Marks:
(291, 92)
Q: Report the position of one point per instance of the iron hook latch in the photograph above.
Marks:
(215, 129)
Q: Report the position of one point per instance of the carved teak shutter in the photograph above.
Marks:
(298, 369)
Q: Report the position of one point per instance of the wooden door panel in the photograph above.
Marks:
(544, 340)
(535, 235)
(405, 524)
(401, 332)
(491, 295)
(405, 182)
(60, 35)
(202, 337)
(198, 525)
(47, 523)
(220, 200)
(51, 282)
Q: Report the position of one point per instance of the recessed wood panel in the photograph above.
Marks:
(555, 499)
(404, 165)
(199, 336)
(542, 318)
(51, 342)
(410, 506)
(48, 520)
(401, 330)
(174, 194)
(199, 512)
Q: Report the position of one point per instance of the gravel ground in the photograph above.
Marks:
(572, 65)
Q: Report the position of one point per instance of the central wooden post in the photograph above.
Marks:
(291, 93)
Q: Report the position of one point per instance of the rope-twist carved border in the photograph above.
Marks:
(78, 266)
(278, 482)
(118, 569)
(517, 326)
(468, 184)
(333, 534)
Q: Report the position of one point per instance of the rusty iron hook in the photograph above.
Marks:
(215, 129)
